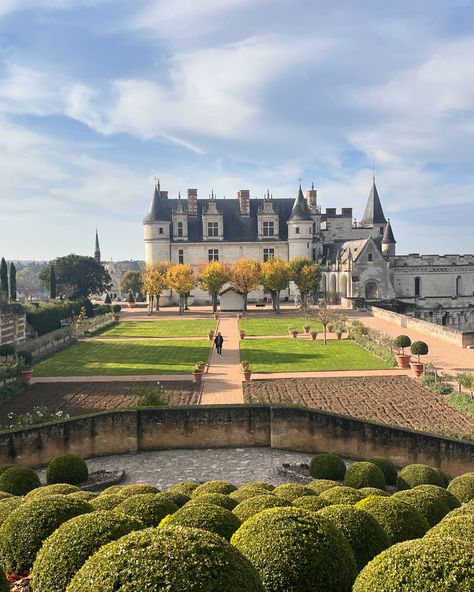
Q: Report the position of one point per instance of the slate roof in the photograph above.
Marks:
(388, 238)
(300, 209)
(373, 210)
(355, 247)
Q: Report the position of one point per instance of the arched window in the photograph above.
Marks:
(458, 285)
(417, 286)
(371, 291)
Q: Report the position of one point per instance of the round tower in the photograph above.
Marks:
(388, 241)
(300, 229)
(156, 226)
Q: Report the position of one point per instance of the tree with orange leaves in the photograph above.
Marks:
(275, 276)
(212, 277)
(153, 280)
(180, 278)
(245, 277)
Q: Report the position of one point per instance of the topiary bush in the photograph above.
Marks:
(69, 546)
(313, 503)
(400, 521)
(373, 491)
(465, 509)
(419, 348)
(401, 342)
(441, 493)
(27, 527)
(254, 505)
(291, 491)
(212, 518)
(295, 550)
(342, 495)
(327, 466)
(4, 585)
(85, 496)
(150, 508)
(19, 480)
(261, 484)
(178, 499)
(46, 490)
(6, 467)
(243, 494)
(68, 468)
(5, 495)
(136, 489)
(364, 474)
(461, 487)
(163, 559)
(186, 487)
(216, 499)
(457, 527)
(387, 467)
(420, 566)
(106, 502)
(413, 475)
(362, 531)
(444, 477)
(8, 505)
(215, 486)
(113, 489)
(321, 485)
(429, 505)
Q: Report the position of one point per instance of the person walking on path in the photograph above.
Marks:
(218, 341)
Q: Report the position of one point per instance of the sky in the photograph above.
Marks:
(99, 97)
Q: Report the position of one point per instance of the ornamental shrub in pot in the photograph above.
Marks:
(401, 342)
(26, 362)
(116, 308)
(418, 348)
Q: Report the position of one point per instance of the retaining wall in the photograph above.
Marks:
(239, 426)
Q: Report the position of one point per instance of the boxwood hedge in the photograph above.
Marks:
(243, 494)
(19, 480)
(68, 468)
(321, 485)
(106, 502)
(364, 474)
(413, 475)
(186, 487)
(85, 496)
(327, 466)
(373, 491)
(4, 585)
(342, 495)
(216, 499)
(310, 502)
(261, 484)
(462, 487)
(387, 467)
(178, 499)
(150, 508)
(257, 504)
(291, 491)
(212, 518)
(295, 550)
(441, 493)
(457, 527)
(136, 489)
(8, 505)
(215, 486)
(430, 506)
(166, 559)
(69, 546)
(5, 495)
(57, 488)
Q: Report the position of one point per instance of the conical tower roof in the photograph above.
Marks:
(388, 238)
(151, 216)
(300, 209)
(373, 210)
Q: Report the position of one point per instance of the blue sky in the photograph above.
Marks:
(97, 97)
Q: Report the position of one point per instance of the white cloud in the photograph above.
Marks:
(9, 6)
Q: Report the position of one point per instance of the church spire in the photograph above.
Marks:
(97, 246)
(373, 210)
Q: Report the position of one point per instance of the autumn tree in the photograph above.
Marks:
(245, 277)
(212, 277)
(180, 278)
(153, 283)
(306, 275)
(274, 277)
(131, 283)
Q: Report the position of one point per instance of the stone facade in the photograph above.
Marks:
(12, 324)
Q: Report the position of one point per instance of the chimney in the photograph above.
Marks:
(244, 200)
(312, 199)
(192, 202)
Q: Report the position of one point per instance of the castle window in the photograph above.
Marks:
(268, 254)
(213, 255)
(180, 229)
(381, 230)
(181, 256)
(297, 229)
(458, 286)
(213, 229)
(160, 230)
(417, 286)
(314, 227)
(268, 229)
(370, 257)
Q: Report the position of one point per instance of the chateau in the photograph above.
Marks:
(358, 258)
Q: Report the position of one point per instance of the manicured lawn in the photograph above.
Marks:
(277, 326)
(125, 358)
(298, 355)
(181, 328)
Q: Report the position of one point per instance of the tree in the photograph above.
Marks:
(52, 283)
(153, 282)
(306, 275)
(4, 278)
(12, 282)
(212, 277)
(180, 278)
(28, 283)
(131, 283)
(77, 277)
(275, 276)
(325, 315)
(245, 277)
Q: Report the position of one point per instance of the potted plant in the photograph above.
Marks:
(314, 334)
(293, 332)
(340, 329)
(418, 348)
(330, 327)
(244, 364)
(211, 334)
(26, 362)
(130, 300)
(116, 308)
(216, 316)
(197, 375)
(201, 365)
(247, 372)
(306, 328)
(401, 342)
(242, 334)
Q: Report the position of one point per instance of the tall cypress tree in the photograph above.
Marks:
(4, 277)
(52, 283)
(12, 282)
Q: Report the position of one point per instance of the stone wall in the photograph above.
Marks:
(290, 428)
(12, 324)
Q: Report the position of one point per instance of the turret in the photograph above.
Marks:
(373, 215)
(388, 241)
(97, 246)
(300, 229)
(157, 227)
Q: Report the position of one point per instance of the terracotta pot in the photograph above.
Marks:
(116, 317)
(313, 336)
(339, 335)
(242, 335)
(403, 360)
(26, 374)
(306, 330)
(197, 376)
(239, 316)
(294, 334)
(417, 368)
(216, 316)
(247, 375)
(330, 328)
(211, 335)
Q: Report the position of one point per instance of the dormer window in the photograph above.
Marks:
(180, 231)
(370, 257)
(213, 229)
(268, 229)
(381, 230)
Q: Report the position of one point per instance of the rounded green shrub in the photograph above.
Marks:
(186, 487)
(400, 521)
(254, 505)
(313, 503)
(430, 506)
(178, 499)
(261, 484)
(327, 466)
(373, 491)
(243, 494)
(8, 505)
(364, 474)
(212, 518)
(5, 495)
(419, 348)
(165, 559)
(387, 467)
(6, 467)
(295, 550)
(106, 502)
(216, 499)
(291, 491)
(215, 486)
(463, 510)
(461, 487)
(362, 531)
(27, 527)
(401, 342)
(4, 585)
(150, 508)
(46, 490)
(413, 475)
(69, 546)
(458, 527)
(420, 566)
(321, 485)
(441, 493)
(19, 480)
(444, 477)
(85, 496)
(136, 489)
(342, 495)
(113, 489)
(68, 468)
